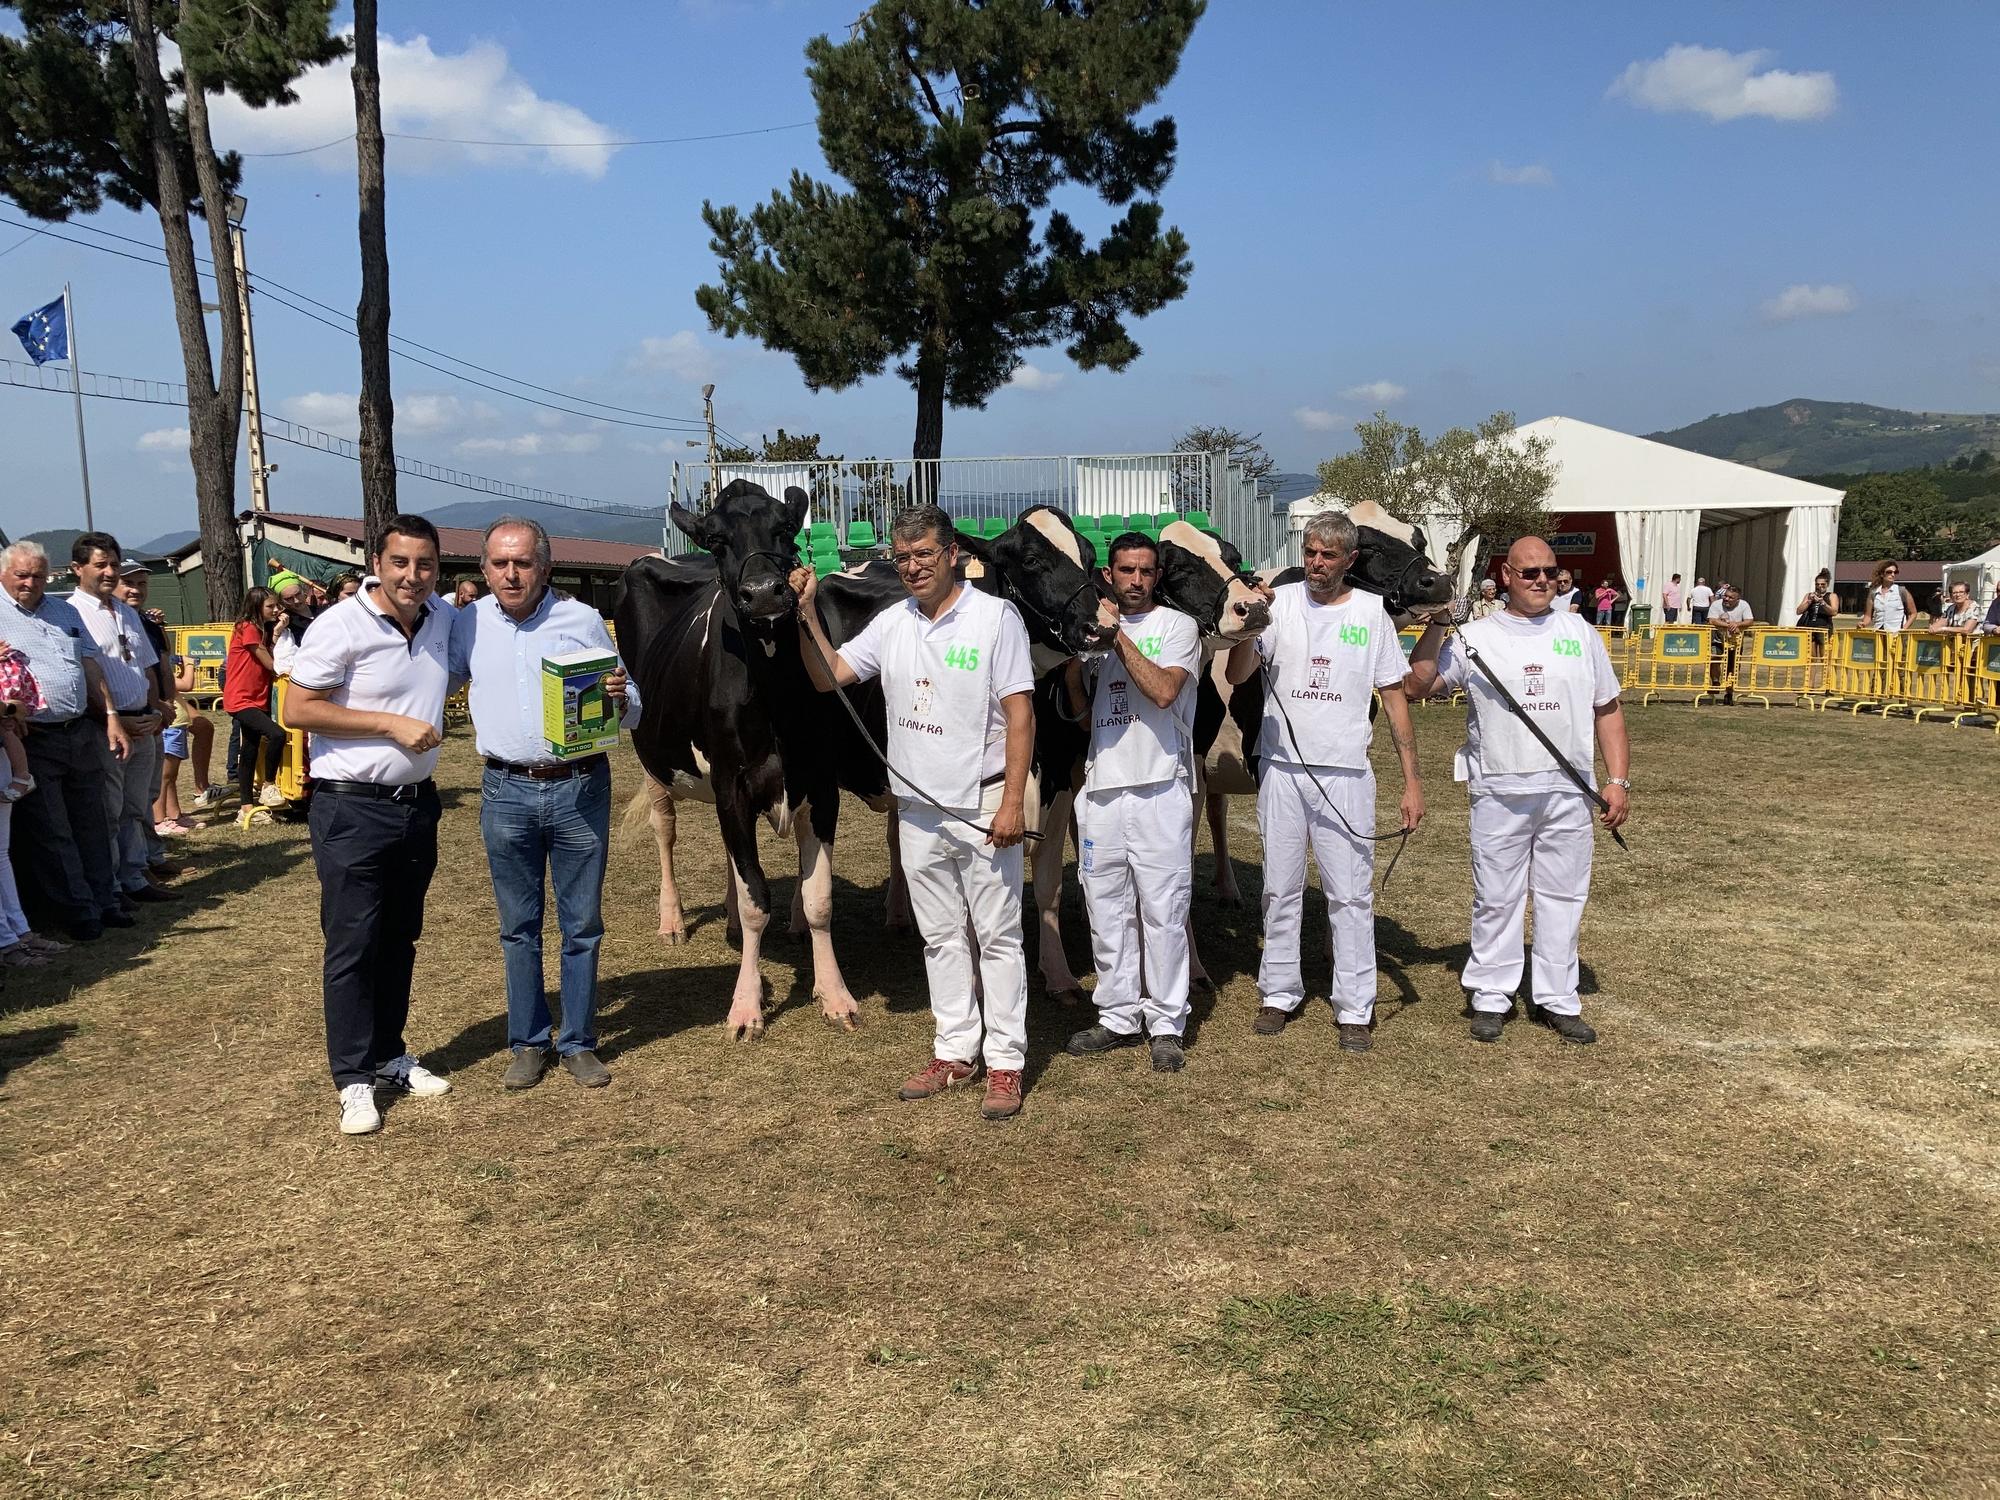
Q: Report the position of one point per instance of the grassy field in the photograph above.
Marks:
(1743, 1247)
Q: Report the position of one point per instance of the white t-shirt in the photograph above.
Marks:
(942, 681)
(1555, 665)
(1567, 602)
(361, 659)
(124, 650)
(1325, 660)
(1739, 613)
(1700, 596)
(1133, 741)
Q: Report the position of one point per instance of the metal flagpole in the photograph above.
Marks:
(76, 390)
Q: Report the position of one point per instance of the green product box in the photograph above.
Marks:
(577, 719)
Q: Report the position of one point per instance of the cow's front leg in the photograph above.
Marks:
(660, 813)
(896, 900)
(1224, 882)
(1057, 977)
(816, 904)
(753, 907)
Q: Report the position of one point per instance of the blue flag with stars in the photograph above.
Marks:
(44, 333)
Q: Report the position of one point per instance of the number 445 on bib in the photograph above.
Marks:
(965, 658)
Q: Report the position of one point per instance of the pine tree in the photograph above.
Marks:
(952, 122)
(89, 117)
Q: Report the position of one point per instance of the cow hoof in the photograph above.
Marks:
(1069, 995)
(673, 937)
(842, 1013)
(739, 1030)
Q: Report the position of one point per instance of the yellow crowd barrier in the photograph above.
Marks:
(205, 646)
(1676, 664)
(1983, 676)
(1773, 662)
(1932, 676)
(1859, 670)
(290, 776)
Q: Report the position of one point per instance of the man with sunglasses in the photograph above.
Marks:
(958, 683)
(1328, 647)
(1531, 825)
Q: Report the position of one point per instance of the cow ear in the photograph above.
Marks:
(697, 526)
(1417, 540)
(797, 505)
(972, 546)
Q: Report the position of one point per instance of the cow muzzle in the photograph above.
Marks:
(765, 598)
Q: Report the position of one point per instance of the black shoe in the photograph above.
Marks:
(84, 932)
(1572, 1029)
(1100, 1038)
(118, 918)
(525, 1068)
(586, 1069)
(1486, 1025)
(1270, 1020)
(1168, 1054)
(151, 893)
(1355, 1036)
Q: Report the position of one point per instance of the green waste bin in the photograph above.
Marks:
(1639, 617)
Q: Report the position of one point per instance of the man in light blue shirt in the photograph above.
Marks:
(538, 811)
(62, 847)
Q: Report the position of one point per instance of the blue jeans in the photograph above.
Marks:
(564, 828)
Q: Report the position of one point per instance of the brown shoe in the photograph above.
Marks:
(1003, 1093)
(937, 1076)
(1270, 1020)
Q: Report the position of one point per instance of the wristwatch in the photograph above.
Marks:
(1619, 781)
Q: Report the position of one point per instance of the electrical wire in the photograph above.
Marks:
(448, 140)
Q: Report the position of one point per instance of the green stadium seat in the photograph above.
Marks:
(823, 565)
(992, 526)
(1165, 518)
(1198, 519)
(861, 535)
(822, 531)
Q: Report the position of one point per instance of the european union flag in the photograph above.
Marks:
(44, 333)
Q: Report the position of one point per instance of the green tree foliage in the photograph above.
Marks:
(785, 448)
(953, 122)
(88, 117)
(1480, 485)
(1899, 516)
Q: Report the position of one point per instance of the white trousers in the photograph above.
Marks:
(1537, 843)
(13, 924)
(1290, 814)
(953, 872)
(1137, 879)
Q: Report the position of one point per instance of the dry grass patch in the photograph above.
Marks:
(1742, 1247)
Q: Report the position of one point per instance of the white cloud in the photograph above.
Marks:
(337, 412)
(1804, 301)
(163, 440)
(1381, 391)
(1027, 377)
(1314, 420)
(1724, 86)
(529, 444)
(424, 412)
(472, 95)
(1534, 174)
(681, 355)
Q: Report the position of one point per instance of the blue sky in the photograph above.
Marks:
(1633, 215)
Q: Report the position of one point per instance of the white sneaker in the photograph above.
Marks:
(407, 1073)
(271, 796)
(208, 796)
(358, 1114)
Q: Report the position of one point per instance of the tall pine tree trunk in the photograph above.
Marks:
(928, 445)
(212, 412)
(378, 411)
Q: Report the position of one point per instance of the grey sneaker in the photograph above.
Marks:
(1168, 1054)
(525, 1069)
(586, 1069)
(1486, 1025)
(1355, 1036)
(1100, 1038)
(1572, 1029)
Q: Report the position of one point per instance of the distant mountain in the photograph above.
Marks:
(602, 526)
(160, 545)
(1823, 437)
(56, 541)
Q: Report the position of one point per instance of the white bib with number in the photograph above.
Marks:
(938, 687)
(1550, 673)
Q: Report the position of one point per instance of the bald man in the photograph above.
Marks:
(1531, 825)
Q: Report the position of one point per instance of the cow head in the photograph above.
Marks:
(1202, 576)
(754, 538)
(1049, 571)
(1392, 562)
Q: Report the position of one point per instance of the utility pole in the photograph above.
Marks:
(76, 390)
(708, 415)
(260, 494)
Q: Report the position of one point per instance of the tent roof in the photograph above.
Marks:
(1990, 558)
(1605, 470)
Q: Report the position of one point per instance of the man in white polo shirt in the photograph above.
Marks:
(1135, 821)
(1531, 825)
(958, 680)
(369, 683)
(543, 818)
(1328, 648)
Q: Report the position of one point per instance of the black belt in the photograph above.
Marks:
(133, 713)
(562, 771)
(378, 790)
(994, 780)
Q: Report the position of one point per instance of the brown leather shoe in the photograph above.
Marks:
(1270, 1020)
(936, 1076)
(1003, 1093)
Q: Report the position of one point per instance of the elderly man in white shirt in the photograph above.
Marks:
(956, 673)
(369, 685)
(540, 814)
(126, 657)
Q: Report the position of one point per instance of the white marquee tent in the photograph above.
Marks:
(1980, 574)
(1679, 512)
(1687, 513)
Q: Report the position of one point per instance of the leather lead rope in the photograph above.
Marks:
(1401, 835)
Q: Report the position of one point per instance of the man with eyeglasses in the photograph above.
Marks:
(1329, 646)
(127, 657)
(1531, 825)
(958, 683)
